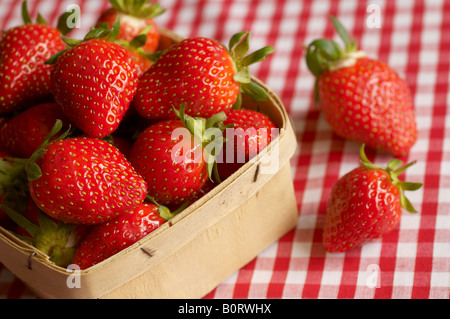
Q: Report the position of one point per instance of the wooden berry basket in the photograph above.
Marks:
(195, 251)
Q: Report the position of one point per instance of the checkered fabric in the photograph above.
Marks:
(413, 261)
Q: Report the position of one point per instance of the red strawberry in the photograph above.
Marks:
(201, 73)
(111, 237)
(362, 99)
(94, 82)
(365, 204)
(137, 17)
(251, 132)
(24, 78)
(83, 180)
(169, 155)
(169, 182)
(25, 132)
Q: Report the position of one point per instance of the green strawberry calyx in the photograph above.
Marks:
(103, 32)
(209, 132)
(328, 55)
(238, 48)
(394, 168)
(138, 8)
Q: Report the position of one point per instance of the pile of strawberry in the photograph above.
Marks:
(87, 128)
(87, 131)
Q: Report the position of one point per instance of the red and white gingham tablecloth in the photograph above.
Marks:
(413, 37)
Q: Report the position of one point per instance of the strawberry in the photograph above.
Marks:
(83, 180)
(201, 73)
(365, 204)
(251, 132)
(94, 81)
(25, 132)
(169, 155)
(362, 98)
(137, 17)
(24, 78)
(111, 237)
